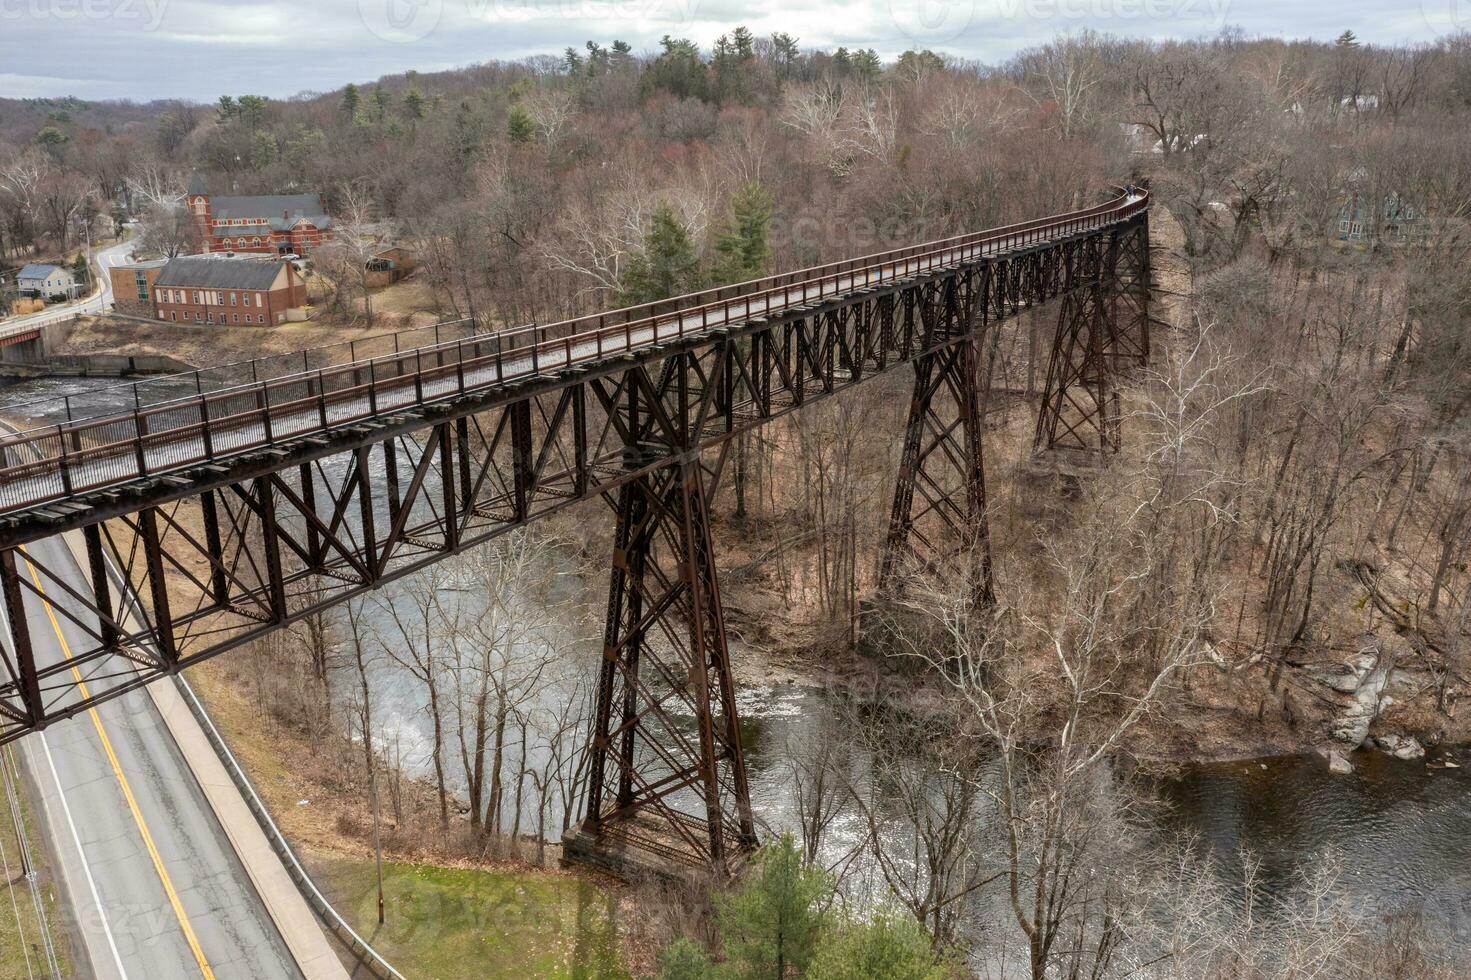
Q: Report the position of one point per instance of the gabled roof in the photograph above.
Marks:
(38, 271)
(204, 272)
(280, 210)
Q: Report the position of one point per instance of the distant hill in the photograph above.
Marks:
(21, 119)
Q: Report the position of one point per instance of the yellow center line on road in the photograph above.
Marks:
(117, 770)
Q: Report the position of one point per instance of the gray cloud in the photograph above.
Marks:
(199, 49)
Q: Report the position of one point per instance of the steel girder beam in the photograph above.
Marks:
(667, 775)
(216, 556)
(939, 509)
(1102, 328)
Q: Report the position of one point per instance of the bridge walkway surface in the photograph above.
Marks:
(109, 450)
(242, 509)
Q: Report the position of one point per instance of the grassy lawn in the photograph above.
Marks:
(20, 927)
(450, 923)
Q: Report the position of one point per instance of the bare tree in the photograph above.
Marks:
(344, 261)
(500, 653)
(1063, 76)
(418, 647)
(168, 230)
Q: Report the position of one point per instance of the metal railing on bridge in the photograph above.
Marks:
(93, 453)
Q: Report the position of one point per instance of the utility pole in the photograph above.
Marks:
(377, 838)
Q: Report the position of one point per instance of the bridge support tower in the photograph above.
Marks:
(666, 788)
(1102, 330)
(939, 512)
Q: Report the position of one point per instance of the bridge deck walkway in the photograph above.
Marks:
(109, 451)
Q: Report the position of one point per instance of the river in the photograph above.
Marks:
(1399, 829)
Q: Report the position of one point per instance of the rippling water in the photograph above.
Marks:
(1400, 830)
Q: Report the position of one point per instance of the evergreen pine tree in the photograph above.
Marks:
(520, 127)
(413, 104)
(772, 925)
(741, 245)
(350, 100)
(668, 264)
(890, 945)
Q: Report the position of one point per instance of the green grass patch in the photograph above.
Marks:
(20, 924)
(450, 923)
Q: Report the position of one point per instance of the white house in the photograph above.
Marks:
(45, 281)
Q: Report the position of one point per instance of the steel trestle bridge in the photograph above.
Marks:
(237, 511)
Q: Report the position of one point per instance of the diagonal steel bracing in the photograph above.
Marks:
(293, 500)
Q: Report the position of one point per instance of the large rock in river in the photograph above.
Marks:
(1400, 746)
(1363, 679)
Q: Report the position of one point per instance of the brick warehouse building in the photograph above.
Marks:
(272, 224)
(207, 289)
(132, 286)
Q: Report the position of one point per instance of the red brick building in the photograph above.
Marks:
(271, 224)
(207, 289)
(132, 286)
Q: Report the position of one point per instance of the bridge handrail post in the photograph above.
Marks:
(209, 448)
(418, 375)
(500, 373)
(372, 386)
(265, 413)
(322, 398)
(138, 441)
(63, 464)
(460, 363)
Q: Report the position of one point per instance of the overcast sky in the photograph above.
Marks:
(200, 49)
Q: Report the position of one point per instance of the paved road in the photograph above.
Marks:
(100, 301)
(157, 890)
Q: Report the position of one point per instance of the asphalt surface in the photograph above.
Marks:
(156, 890)
(102, 260)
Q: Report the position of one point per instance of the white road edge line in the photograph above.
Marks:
(86, 868)
(71, 824)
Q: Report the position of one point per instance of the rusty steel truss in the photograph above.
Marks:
(225, 550)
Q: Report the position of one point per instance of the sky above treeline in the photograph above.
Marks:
(201, 49)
